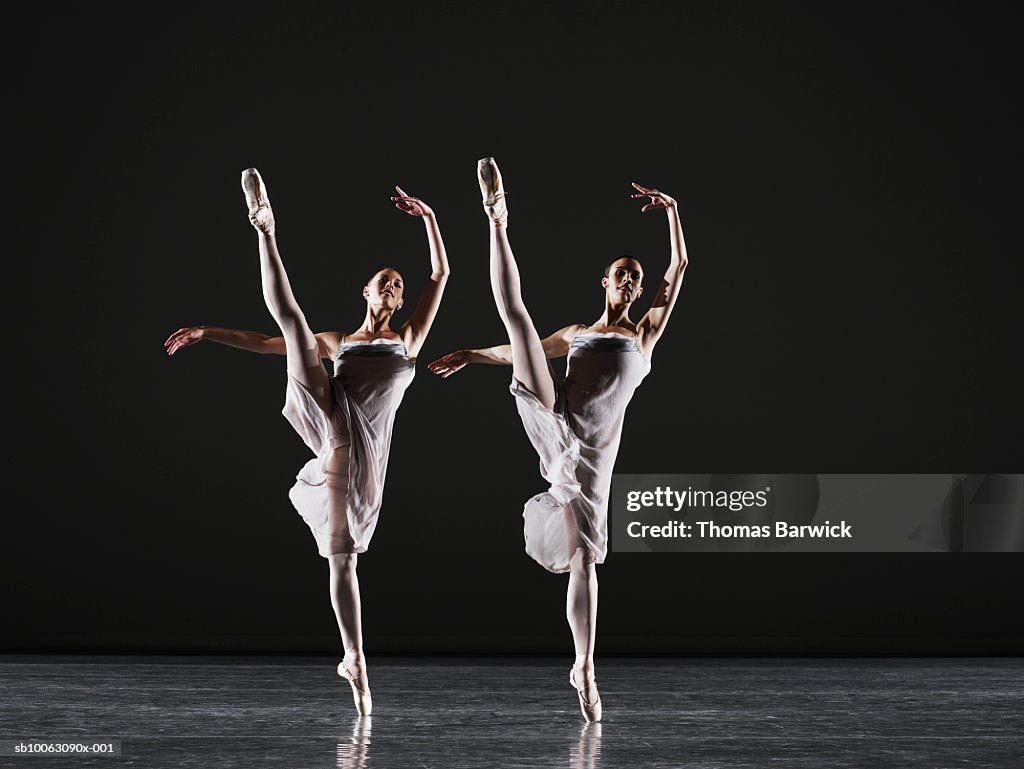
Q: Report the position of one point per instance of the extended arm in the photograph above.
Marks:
(651, 326)
(253, 341)
(415, 330)
(555, 346)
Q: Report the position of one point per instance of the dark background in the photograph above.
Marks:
(847, 178)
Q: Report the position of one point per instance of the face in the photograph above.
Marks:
(623, 282)
(385, 290)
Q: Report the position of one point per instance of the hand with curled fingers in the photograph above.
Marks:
(184, 337)
(658, 199)
(448, 364)
(411, 205)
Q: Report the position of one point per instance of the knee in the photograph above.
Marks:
(582, 564)
(343, 563)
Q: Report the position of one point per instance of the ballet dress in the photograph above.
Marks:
(370, 379)
(577, 443)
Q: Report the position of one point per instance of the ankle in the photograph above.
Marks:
(585, 665)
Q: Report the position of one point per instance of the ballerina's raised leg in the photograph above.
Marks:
(530, 367)
(303, 360)
(529, 362)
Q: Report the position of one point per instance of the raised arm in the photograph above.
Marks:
(253, 341)
(555, 346)
(414, 331)
(651, 326)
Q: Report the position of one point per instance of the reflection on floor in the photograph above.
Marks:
(451, 713)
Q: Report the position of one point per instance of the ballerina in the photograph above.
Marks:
(575, 425)
(347, 419)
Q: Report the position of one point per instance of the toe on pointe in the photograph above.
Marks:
(490, 180)
(360, 696)
(491, 190)
(255, 191)
(592, 711)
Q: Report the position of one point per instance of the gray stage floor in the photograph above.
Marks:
(256, 712)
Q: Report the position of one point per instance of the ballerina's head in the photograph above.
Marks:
(622, 280)
(384, 290)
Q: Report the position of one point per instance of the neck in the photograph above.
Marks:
(615, 315)
(377, 319)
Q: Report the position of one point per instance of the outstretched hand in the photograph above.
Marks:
(658, 199)
(447, 365)
(410, 205)
(183, 337)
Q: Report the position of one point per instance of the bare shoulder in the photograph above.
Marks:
(558, 344)
(569, 332)
(329, 342)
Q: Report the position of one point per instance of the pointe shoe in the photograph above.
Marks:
(491, 190)
(361, 696)
(591, 710)
(261, 215)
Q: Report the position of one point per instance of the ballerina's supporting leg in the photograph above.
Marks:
(345, 599)
(581, 609)
(344, 581)
(581, 612)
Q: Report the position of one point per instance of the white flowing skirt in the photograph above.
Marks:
(367, 464)
(544, 527)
